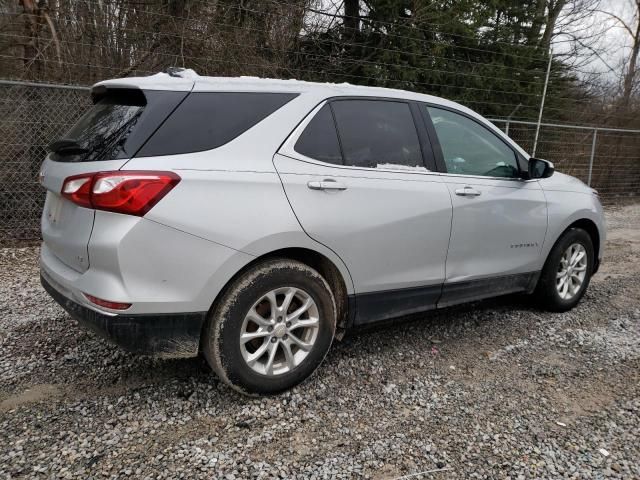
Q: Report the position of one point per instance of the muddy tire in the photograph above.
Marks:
(271, 328)
(566, 273)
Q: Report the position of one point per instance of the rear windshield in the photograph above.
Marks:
(102, 132)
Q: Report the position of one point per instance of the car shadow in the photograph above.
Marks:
(115, 372)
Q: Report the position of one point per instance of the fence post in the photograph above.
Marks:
(544, 96)
(506, 129)
(593, 154)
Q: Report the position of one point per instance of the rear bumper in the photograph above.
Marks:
(167, 335)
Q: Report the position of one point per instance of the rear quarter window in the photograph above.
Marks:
(208, 120)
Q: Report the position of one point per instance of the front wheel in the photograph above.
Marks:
(567, 272)
(272, 327)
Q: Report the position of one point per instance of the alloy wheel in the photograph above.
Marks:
(279, 331)
(571, 271)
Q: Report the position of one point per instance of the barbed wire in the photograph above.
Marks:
(333, 41)
(288, 6)
(362, 18)
(327, 56)
(347, 61)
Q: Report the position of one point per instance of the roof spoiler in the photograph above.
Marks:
(172, 78)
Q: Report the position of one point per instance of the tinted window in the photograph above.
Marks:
(377, 134)
(207, 120)
(470, 149)
(319, 139)
(102, 132)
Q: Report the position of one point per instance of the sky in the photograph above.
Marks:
(611, 41)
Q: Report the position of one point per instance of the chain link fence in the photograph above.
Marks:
(608, 159)
(32, 115)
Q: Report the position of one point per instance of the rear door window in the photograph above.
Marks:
(207, 120)
(378, 134)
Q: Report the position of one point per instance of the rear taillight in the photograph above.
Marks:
(78, 189)
(128, 192)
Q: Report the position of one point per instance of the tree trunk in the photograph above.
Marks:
(633, 60)
(31, 30)
(538, 22)
(552, 19)
(351, 18)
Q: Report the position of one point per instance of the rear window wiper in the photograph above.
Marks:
(67, 146)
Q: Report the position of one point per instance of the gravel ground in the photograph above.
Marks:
(496, 389)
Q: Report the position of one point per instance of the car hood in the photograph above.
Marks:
(564, 183)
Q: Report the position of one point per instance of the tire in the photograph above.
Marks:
(547, 293)
(237, 363)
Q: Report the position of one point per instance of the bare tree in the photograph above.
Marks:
(36, 14)
(630, 68)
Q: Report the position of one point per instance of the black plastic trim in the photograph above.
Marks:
(169, 335)
(463, 292)
(428, 157)
(352, 311)
(379, 306)
(433, 138)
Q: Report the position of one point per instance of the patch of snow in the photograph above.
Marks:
(187, 73)
(393, 166)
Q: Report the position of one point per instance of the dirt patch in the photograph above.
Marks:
(34, 394)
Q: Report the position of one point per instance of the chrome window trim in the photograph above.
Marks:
(481, 177)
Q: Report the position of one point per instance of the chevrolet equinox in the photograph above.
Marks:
(254, 220)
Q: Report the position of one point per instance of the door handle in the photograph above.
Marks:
(327, 184)
(467, 191)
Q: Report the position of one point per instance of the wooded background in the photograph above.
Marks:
(488, 54)
(491, 55)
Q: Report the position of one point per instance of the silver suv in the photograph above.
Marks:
(255, 220)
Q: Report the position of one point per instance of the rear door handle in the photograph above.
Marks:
(327, 184)
(467, 192)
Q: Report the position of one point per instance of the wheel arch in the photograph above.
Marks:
(591, 228)
(314, 259)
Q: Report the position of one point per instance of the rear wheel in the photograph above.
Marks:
(272, 327)
(567, 272)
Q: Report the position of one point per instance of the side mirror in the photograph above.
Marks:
(539, 168)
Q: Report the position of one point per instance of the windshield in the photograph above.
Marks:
(102, 132)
